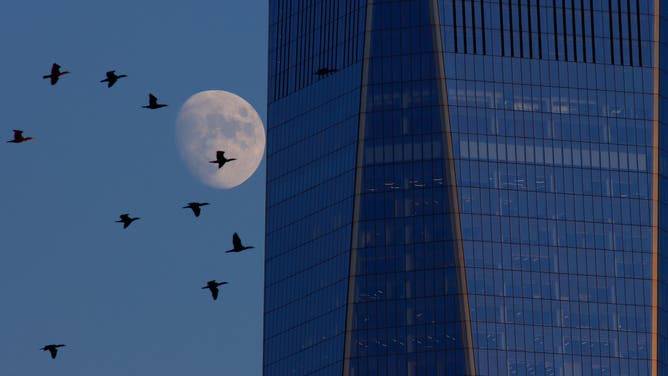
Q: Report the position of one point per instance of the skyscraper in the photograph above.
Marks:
(463, 187)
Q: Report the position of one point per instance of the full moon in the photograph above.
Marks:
(216, 120)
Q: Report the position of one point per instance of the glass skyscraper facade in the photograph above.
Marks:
(466, 187)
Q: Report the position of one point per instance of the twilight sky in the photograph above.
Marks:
(126, 302)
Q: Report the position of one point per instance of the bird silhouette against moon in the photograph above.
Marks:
(215, 120)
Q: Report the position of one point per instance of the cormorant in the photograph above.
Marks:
(238, 247)
(112, 77)
(18, 137)
(153, 102)
(126, 220)
(322, 72)
(55, 73)
(196, 207)
(53, 349)
(213, 286)
(221, 160)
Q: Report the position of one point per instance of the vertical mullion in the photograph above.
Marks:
(482, 25)
(639, 36)
(565, 28)
(554, 25)
(612, 39)
(475, 47)
(464, 25)
(503, 45)
(540, 36)
(454, 24)
(519, 26)
(510, 24)
(575, 44)
(619, 24)
(593, 36)
(584, 31)
(628, 21)
(530, 29)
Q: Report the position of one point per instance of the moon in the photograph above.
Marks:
(215, 120)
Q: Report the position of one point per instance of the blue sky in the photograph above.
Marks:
(126, 302)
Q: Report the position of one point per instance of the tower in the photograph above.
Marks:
(474, 188)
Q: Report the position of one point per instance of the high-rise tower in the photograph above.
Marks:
(464, 187)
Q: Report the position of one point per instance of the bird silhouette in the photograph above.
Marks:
(153, 102)
(18, 137)
(112, 77)
(213, 286)
(53, 349)
(126, 220)
(196, 207)
(322, 72)
(221, 160)
(55, 73)
(238, 247)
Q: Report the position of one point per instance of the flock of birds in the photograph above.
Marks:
(126, 219)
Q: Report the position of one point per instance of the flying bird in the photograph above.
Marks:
(221, 160)
(126, 220)
(213, 286)
(238, 247)
(18, 137)
(53, 349)
(322, 72)
(112, 77)
(55, 73)
(153, 102)
(196, 207)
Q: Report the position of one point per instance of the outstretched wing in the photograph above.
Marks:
(236, 241)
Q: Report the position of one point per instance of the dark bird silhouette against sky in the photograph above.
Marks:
(221, 160)
(196, 207)
(213, 286)
(18, 137)
(324, 71)
(112, 77)
(55, 73)
(238, 247)
(126, 220)
(153, 102)
(53, 349)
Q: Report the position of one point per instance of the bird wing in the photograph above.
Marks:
(236, 241)
(152, 100)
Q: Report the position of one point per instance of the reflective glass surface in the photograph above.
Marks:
(470, 190)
